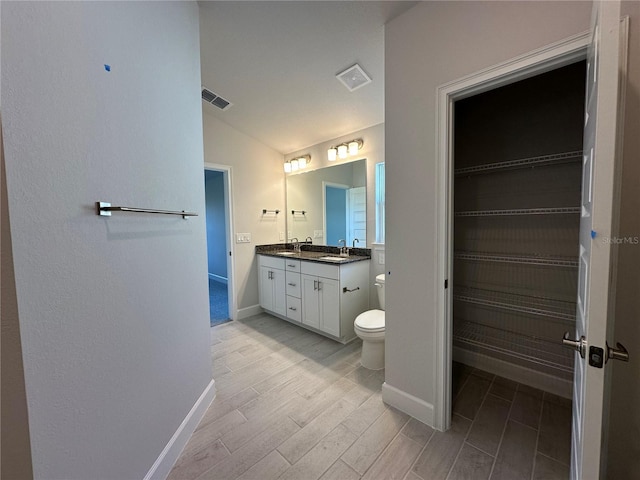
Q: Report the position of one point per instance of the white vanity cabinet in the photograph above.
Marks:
(322, 297)
(272, 288)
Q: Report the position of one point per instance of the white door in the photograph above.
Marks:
(357, 216)
(595, 233)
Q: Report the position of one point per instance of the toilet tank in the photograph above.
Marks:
(380, 286)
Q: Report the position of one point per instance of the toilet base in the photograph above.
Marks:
(372, 355)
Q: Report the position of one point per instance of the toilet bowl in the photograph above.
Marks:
(370, 327)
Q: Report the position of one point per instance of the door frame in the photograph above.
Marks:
(326, 184)
(227, 179)
(536, 62)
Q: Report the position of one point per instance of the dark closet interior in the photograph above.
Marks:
(517, 190)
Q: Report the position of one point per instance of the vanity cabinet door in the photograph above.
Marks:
(329, 306)
(321, 304)
(273, 295)
(310, 301)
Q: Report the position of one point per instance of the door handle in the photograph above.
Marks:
(291, 284)
(579, 345)
(315, 285)
(319, 283)
(618, 353)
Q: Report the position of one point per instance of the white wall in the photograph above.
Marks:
(624, 427)
(431, 44)
(113, 312)
(257, 182)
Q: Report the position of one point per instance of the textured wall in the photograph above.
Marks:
(257, 182)
(113, 311)
(624, 426)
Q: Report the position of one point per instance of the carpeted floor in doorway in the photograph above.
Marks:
(218, 302)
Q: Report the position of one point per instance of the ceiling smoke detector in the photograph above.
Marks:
(354, 77)
(215, 99)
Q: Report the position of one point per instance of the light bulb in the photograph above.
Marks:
(302, 162)
(353, 147)
(287, 167)
(332, 154)
(342, 151)
(294, 164)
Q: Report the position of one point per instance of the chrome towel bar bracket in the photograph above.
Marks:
(104, 209)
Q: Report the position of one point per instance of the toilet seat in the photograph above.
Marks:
(371, 321)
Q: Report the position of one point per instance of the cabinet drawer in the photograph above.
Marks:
(272, 262)
(293, 284)
(321, 270)
(294, 308)
(292, 265)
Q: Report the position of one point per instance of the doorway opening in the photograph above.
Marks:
(345, 215)
(517, 178)
(563, 54)
(219, 253)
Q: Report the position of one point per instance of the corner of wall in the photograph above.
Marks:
(408, 404)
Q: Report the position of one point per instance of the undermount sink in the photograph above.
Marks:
(334, 259)
(287, 253)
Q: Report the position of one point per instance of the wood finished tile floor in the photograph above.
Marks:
(291, 404)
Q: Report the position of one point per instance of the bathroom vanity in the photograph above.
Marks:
(318, 290)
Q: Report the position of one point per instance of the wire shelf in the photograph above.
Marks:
(544, 260)
(529, 304)
(554, 159)
(520, 211)
(536, 350)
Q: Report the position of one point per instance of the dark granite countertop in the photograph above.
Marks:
(314, 253)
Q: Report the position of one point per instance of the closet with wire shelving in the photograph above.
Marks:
(517, 190)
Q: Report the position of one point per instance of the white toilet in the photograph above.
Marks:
(369, 326)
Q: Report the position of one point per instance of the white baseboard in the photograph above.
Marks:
(218, 278)
(517, 373)
(249, 312)
(407, 403)
(162, 466)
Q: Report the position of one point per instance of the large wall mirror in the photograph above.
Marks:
(329, 204)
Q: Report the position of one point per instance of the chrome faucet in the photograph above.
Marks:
(296, 244)
(343, 250)
(308, 240)
(355, 240)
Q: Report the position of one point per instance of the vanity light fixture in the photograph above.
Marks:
(354, 146)
(344, 150)
(297, 163)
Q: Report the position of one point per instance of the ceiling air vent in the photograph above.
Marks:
(354, 77)
(214, 99)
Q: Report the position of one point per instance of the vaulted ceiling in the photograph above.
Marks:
(276, 62)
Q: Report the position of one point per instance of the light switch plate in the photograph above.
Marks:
(243, 238)
(281, 235)
(317, 234)
(381, 258)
